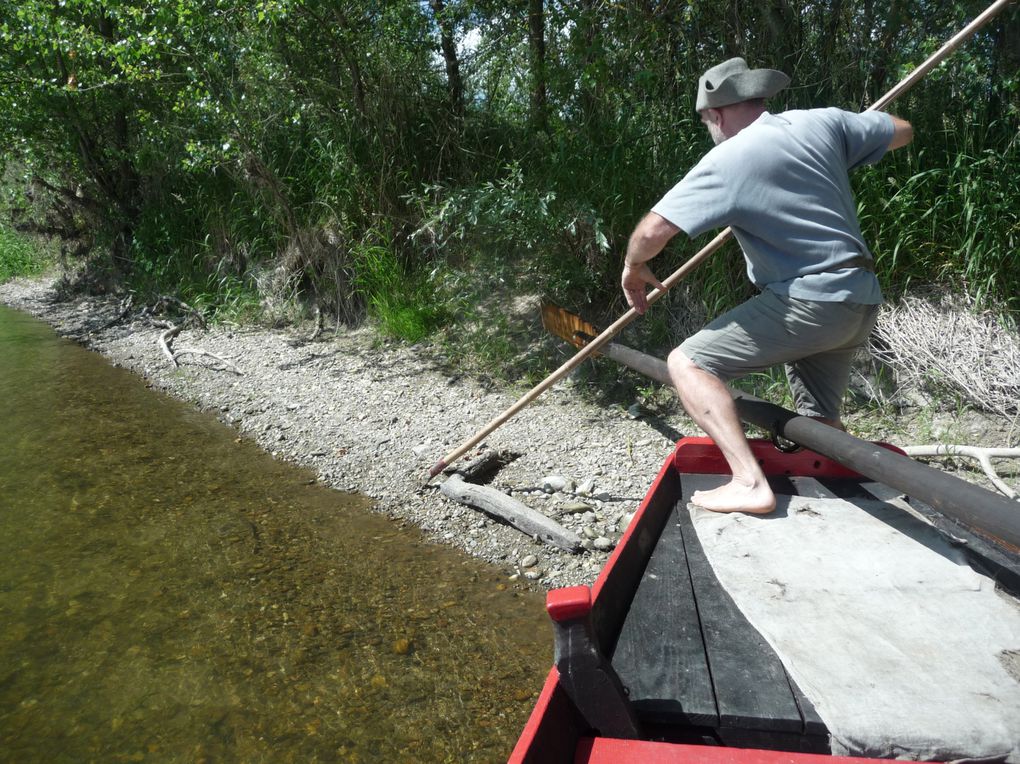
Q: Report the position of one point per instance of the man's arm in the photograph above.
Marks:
(903, 133)
(648, 239)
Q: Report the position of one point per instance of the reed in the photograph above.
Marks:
(953, 219)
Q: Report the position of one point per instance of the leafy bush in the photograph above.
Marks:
(506, 230)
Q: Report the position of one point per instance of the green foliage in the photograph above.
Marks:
(18, 256)
(956, 222)
(196, 146)
(404, 303)
(506, 229)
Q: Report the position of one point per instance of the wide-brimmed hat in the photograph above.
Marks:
(732, 82)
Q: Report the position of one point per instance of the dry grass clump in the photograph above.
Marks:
(944, 346)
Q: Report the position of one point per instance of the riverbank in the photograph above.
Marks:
(372, 417)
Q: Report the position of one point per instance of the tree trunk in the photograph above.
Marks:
(121, 181)
(454, 83)
(1005, 64)
(588, 29)
(536, 44)
(880, 69)
(784, 31)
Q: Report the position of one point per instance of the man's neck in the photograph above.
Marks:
(740, 115)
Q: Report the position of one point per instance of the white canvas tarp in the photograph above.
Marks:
(903, 648)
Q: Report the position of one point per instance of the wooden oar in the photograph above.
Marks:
(613, 329)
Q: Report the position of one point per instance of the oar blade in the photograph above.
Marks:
(566, 325)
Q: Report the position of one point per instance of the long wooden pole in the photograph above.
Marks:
(613, 329)
(937, 57)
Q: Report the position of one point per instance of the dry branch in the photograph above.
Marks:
(949, 347)
(166, 301)
(227, 365)
(167, 336)
(982, 454)
(319, 324)
(122, 311)
(484, 466)
(164, 344)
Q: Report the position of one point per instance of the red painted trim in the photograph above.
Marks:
(568, 603)
(692, 455)
(527, 738)
(702, 456)
(613, 751)
(633, 527)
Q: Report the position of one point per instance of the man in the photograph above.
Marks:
(781, 182)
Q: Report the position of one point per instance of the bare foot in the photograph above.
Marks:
(737, 496)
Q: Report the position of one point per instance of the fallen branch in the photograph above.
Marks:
(227, 365)
(165, 301)
(122, 312)
(508, 509)
(172, 331)
(319, 324)
(164, 344)
(484, 466)
(982, 454)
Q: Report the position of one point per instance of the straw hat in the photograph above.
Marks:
(732, 82)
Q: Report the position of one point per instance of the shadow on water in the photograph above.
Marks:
(168, 592)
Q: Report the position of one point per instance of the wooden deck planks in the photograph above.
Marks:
(687, 654)
(660, 654)
(751, 687)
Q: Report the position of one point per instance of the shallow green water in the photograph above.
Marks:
(170, 593)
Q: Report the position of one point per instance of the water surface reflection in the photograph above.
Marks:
(169, 592)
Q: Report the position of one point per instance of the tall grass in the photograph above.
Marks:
(18, 256)
(403, 301)
(947, 214)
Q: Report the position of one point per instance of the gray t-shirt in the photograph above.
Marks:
(782, 184)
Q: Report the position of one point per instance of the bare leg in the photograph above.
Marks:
(709, 403)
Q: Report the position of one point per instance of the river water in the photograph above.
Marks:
(168, 592)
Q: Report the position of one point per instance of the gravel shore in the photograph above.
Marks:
(373, 417)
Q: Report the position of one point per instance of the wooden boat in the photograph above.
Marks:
(656, 663)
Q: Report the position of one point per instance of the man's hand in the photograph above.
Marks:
(635, 282)
(648, 239)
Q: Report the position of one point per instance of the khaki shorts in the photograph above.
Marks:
(815, 340)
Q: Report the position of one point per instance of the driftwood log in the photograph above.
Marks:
(484, 466)
(510, 510)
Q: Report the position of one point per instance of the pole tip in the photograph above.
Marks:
(439, 467)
